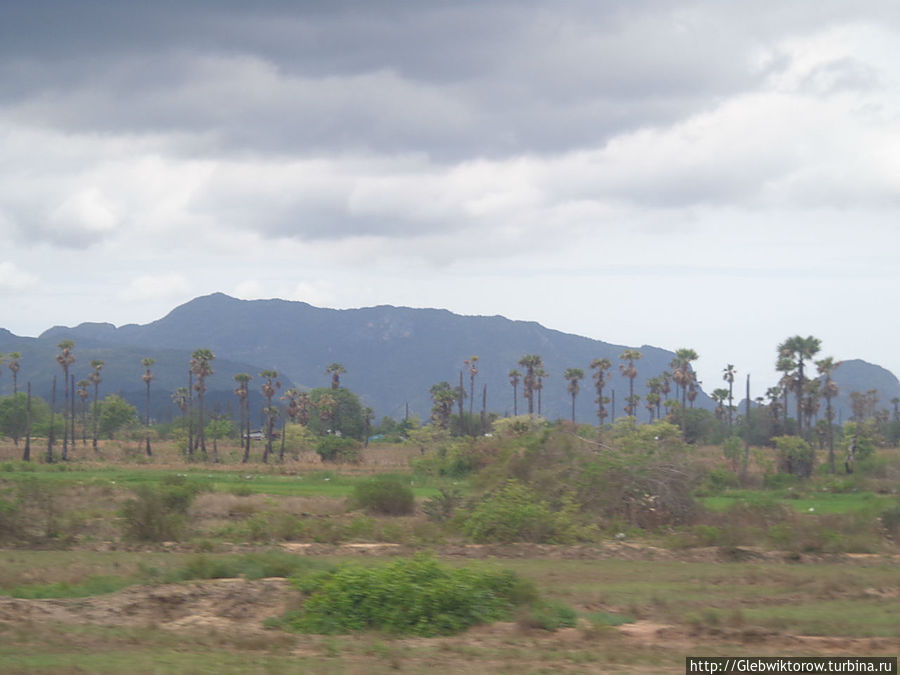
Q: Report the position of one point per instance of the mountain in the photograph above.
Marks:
(857, 375)
(393, 355)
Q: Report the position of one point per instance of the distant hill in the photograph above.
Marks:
(858, 375)
(393, 355)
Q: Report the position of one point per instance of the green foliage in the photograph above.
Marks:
(733, 449)
(518, 425)
(547, 615)
(864, 435)
(385, 495)
(516, 513)
(159, 513)
(115, 414)
(443, 505)
(13, 416)
(347, 417)
(337, 449)
(795, 456)
(414, 596)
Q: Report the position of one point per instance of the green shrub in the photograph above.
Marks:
(385, 495)
(719, 480)
(10, 520)
(159, 513)
(795, 456)
(547, 615)
(516, 513)
(337, 449)
(414, 596)
(443, 505)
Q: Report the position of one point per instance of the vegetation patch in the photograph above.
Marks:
(411, 596)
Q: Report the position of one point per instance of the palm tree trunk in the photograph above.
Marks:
(149, 452)
(50, 433)
(26, 455)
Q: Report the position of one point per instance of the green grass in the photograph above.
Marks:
(819, 502)
(319, 483)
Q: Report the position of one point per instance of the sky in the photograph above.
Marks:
(714, 175)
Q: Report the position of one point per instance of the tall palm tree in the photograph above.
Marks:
(147, 377)
(268, 390)
(799, 349)
(95, 379)
(531, 363)
(628, 369)
(13, 365)
(180, 398)
(573, 376)
(719, 396)
(243, 394)
(335, 370)
(896, 403)
(65, 359)
(728, 375)
(654, 397)
(514, 378)
(825, 367)
(471, 364)
(683, 375)
(201, 368)
(83, 394)
(539, 374)
(601, 369)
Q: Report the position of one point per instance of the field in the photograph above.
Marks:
(78, 596)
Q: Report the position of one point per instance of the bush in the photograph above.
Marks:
(515, 513)
(795, 456)
(890, 520)
(159, 513)
(338, 449)
(442, 506)
(547, 615)
(385, 495)
(414, 596)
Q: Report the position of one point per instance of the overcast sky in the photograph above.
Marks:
(714, 175)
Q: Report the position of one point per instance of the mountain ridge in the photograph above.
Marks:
(393, 354)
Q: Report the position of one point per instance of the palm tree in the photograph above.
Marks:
(719, 396)
(66, 358)
(799, 349)
(95, 379)
(728, 375)
(514, 377)
(896, 403)
(181, 397)
(628, 369)
(471, 364)
(652, 400)
(335, 370)
(268, 390)
(13, 366)
(531, 363)
(147, 377)
(825, 368)
(573, 376)
(654, 385)
(243, 393)
(683, 375)
(601, 369)
(83, 394)
(201, 368)
(539, 375)
(327, 406)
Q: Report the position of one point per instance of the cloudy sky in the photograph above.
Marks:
(715, 175)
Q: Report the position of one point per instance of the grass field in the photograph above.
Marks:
(78, 596)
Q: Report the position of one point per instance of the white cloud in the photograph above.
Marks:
(155, 287)
(13, 279)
